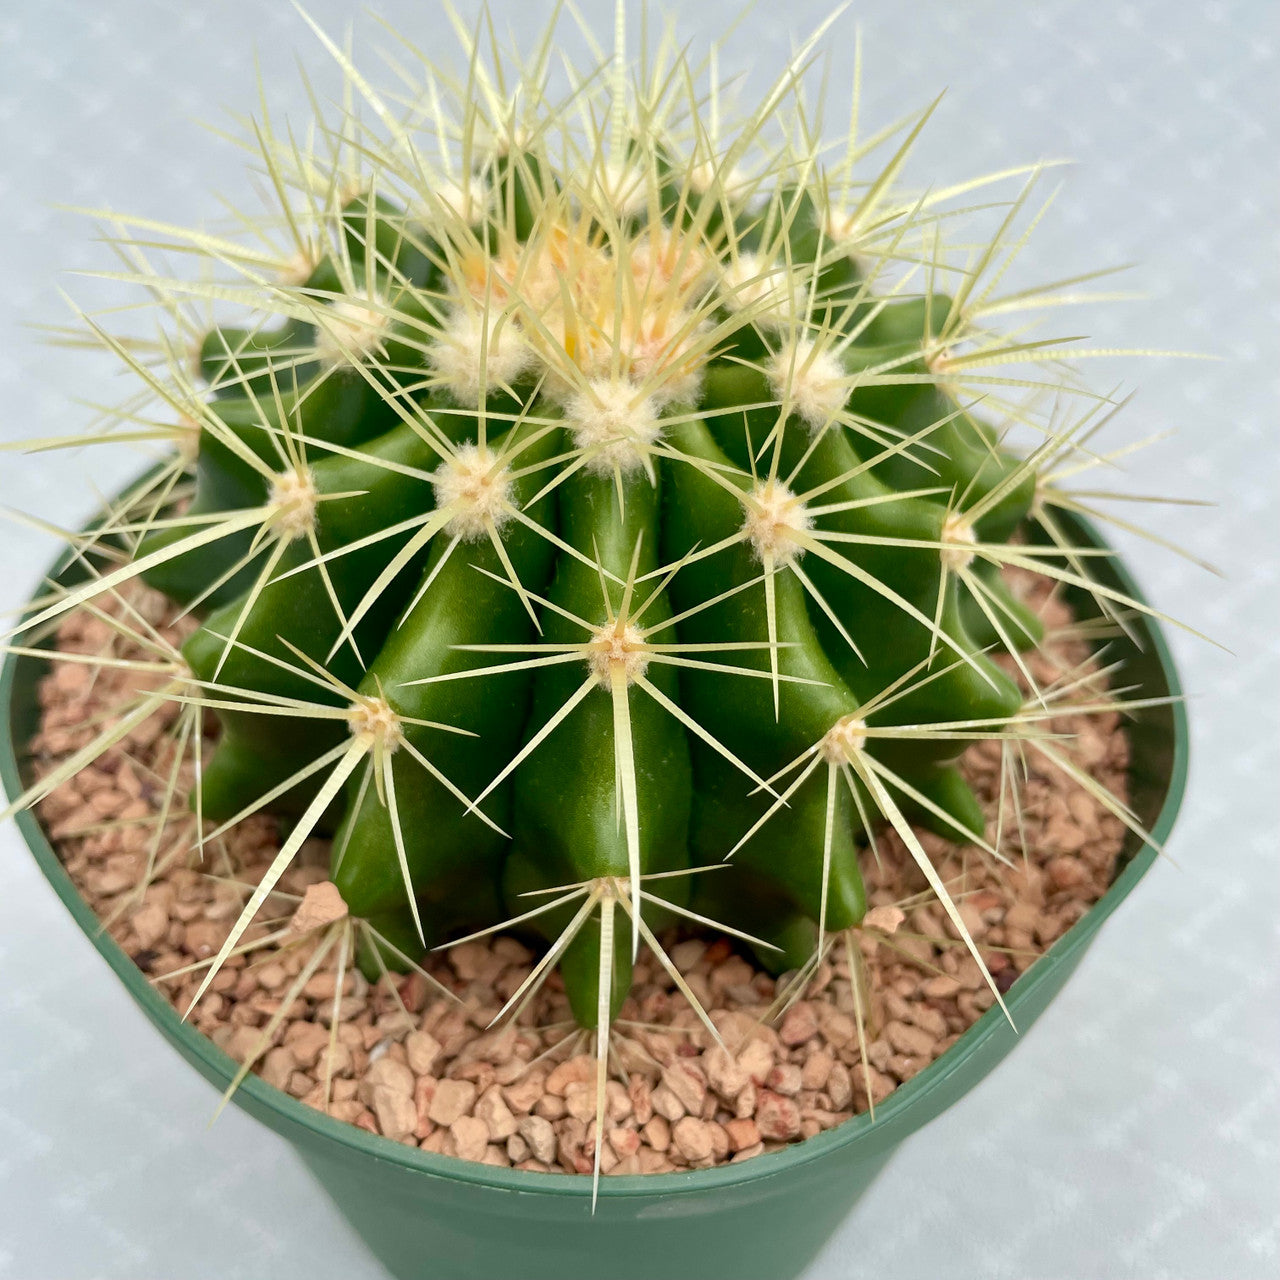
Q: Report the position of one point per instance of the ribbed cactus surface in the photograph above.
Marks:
(596, 514)
(618, 509)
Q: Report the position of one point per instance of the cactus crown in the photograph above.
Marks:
(600, 492)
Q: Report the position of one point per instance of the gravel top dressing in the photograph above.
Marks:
(413, 1056)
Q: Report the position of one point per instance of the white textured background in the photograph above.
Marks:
(1134, 1134)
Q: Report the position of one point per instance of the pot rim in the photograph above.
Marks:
(894, 1119)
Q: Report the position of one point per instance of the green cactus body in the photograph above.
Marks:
(454, 860)
(289, 389)
(656, 478)
(226, 478)
(599, 531)
(566, 812)
(896, 586)
(261, 642)
(788, 855)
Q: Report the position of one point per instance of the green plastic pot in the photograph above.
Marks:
(431, 1217)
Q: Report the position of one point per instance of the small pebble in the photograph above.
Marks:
(657, 1133)
(386, 1072)
(799, 1024)
(666, 1103)
(423, 1051)
(688, 1084)
(470, 1137)
(453, 1098)
(777, 1117)
(321, 904)
(540, 1136)
(576, 1071)
(395, 1111)
(493, 1110)
(151, 923)
(692, 1139)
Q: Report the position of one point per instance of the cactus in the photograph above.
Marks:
(599, 524)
